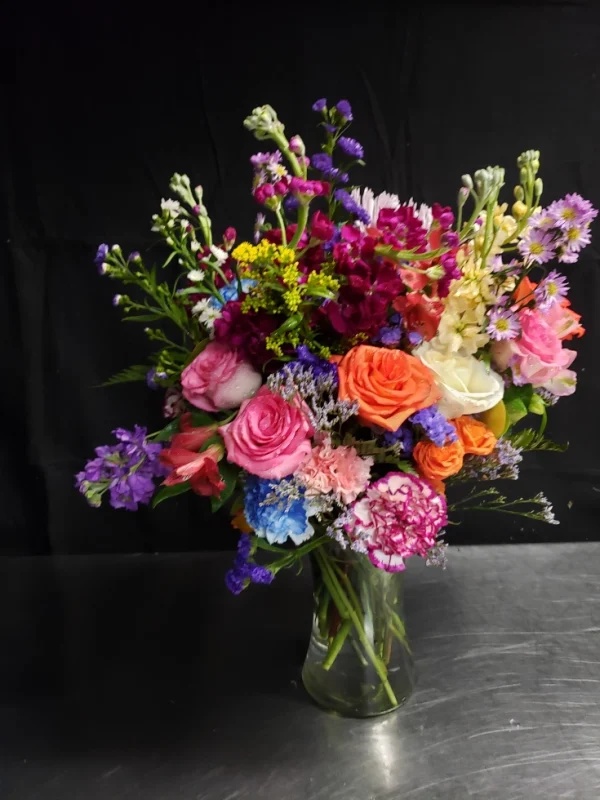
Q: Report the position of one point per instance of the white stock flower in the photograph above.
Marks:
(468, 386)
(206, 312)
(172, 207)
(220, 255)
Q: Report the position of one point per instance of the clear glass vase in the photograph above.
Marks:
(359, 662)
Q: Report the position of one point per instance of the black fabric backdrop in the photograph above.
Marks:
(99, 111)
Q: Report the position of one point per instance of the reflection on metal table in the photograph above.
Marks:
(140, 677)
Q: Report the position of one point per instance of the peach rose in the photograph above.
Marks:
(389, 385)
(477, 439)
(438, 463)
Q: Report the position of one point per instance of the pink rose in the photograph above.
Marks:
(269, 437)
(219, 378)
(537, 356)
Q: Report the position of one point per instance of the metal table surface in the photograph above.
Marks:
(129, 677)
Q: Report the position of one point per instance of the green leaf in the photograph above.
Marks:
(196, 351)
(135, 373)
(537, 405)
(201, 418)
(167, 432)
(523, 393)
(515, 410)
(170, 491)
(229, 474)
(169, 259)
(529, 440)
(143, 318)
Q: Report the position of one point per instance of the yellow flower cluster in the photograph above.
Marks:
(263, 254)
(462, 326)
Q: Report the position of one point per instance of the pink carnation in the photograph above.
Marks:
(339, 470)
(400, 516)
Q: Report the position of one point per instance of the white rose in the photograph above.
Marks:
(468, 386)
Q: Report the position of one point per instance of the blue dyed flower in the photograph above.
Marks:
(269, 521)
(230, 292)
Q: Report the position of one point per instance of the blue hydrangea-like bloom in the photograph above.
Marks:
(436, 426)
(268, 521)
(230, 292)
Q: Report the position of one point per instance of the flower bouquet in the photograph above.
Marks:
(335, 380)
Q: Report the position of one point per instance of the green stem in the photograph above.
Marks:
(301, 224)
(337, 644)
(281, 222)
(347, 611)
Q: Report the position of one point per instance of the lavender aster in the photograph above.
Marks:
(537, 246)
(552, 289)
(350, 147)
(503, 324)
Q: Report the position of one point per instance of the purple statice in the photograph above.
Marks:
(403, 436)
(321, 162)
(501, 464)
(389, 335)
(319, 366)
(550, 290)
(319, 392)
(548, 398)
(100, 258)
(245, 570)
(351, 206)
(153, 375)
(291, 203)
(435, 426)
(330, 128)
(415, 338)
(350, 147)
(126, 471)
(537, 246)
(320, 105)
(344, 109)
(503, 324)
(337, 235)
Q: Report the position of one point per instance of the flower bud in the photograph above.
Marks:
(463, 196)
(435, 273)
(523, 175)
(538, 186)
(104, 269)
(117, 300)
(519, 209)
(467, 181)
(116, 248)
(229, 238)
(263, 122)
(297, 146)
(519, 193)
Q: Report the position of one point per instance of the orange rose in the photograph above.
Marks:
(389, 385)
(437, 463)
(477, 439)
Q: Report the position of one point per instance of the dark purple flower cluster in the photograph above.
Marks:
(404, 436)
(323, 163)
(320, 367)
(351, 206)
(125, 470)
(245, 571)
(350, 147)
(435, 425)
